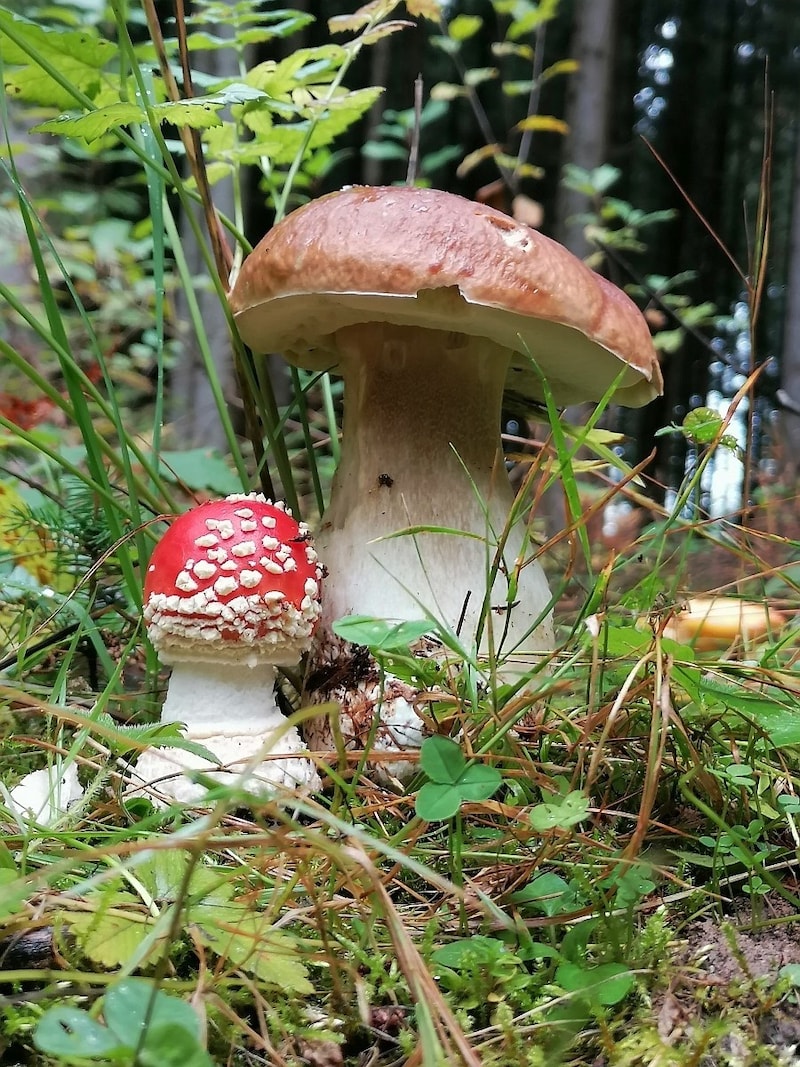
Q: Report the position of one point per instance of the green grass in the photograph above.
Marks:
(535, 896)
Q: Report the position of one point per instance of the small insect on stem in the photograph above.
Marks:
(385, 481)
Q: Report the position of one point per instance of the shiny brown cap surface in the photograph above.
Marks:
(428, 258)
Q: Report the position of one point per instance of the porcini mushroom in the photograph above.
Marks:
(232, 589)
(430, 306)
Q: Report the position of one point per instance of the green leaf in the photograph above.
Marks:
(164, 873)
(14, 891)
(197, 114)
(479, 782)
(248, 942)
(442, 759)
(703, 426)
(94, 124)
(462, 27)
(547, 893)
(479, 75)
(437, 801)
(131, 1007)
(531, 18)
(560, 813)
(384, 150)
(167, 1045)
(607, 984)
(71, 1033)
(444, 91)
(108, 939)
(466, 951)
(379, 634)
(78, 55)
(546, 123)
(200, 468)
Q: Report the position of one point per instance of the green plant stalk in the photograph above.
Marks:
(156, 193)
(78, 383)
(205, 352)
(752, 862)
(330, 418)
(88, 389)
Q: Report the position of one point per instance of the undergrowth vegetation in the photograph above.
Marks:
(540, 892)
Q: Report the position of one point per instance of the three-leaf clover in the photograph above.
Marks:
(560, 812)
(453, 780)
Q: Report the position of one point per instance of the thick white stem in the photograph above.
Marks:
(230, 710)
(221, 699)
(420, 447)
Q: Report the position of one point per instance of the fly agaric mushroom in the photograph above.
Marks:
(430, 306)
(232, 589)
(714, 623)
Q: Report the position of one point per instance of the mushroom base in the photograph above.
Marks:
(231, 711)
(164, 770)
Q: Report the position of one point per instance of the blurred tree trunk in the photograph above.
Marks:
(790, 369)
(588, 108)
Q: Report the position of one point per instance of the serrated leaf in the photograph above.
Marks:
(385, 29)
(79, 55)
(197, 114)
(252, 945)
(702, 425)
(110, 940)
(425, 9)
(93, 124)
(370, 12)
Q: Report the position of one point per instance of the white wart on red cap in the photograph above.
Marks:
(233, 579)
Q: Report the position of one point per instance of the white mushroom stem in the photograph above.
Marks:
(421, 446)
(230, 709)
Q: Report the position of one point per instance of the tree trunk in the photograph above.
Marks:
(790, 364)
(587, 110)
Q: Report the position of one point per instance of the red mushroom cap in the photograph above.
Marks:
(233, 579)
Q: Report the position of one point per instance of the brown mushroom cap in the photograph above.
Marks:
(427, 258)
